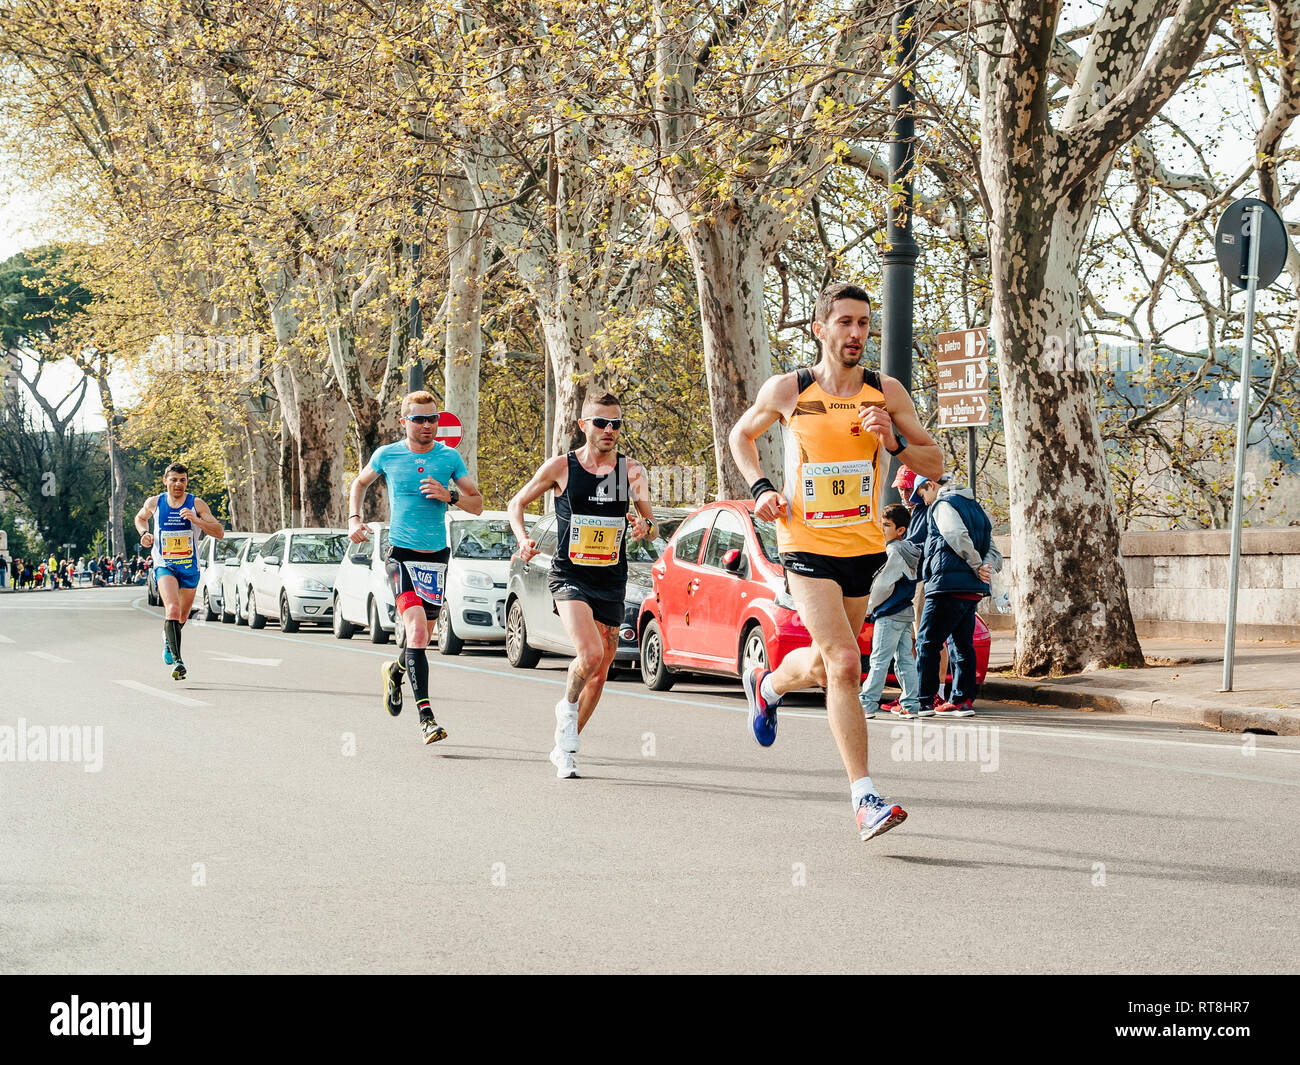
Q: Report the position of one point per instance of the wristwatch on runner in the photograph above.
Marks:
(454, 492)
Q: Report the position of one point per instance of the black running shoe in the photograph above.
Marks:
(392, 687)
(433, 732)
(179, 672)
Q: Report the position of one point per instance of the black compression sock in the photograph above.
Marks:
(173, 631)
(417, 669)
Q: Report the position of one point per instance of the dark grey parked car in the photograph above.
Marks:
(533, 626)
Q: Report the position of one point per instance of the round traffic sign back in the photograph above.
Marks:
(449, 429)
(1232, 243)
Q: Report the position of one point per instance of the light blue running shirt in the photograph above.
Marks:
(417, 523)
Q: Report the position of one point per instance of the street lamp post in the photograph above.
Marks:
(899, 274)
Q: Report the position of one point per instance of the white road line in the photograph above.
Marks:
(171, 697)
(4, 638)
(1046, 731)
(50, 658)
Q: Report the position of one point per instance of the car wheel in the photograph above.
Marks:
(287, 623)
(753, 653)
(377, 633)
(226, 616)
(448, 642)
(654, 674)
(208, 613)
(241, 614)
(518, 653)
(255, 620)
(343, 628)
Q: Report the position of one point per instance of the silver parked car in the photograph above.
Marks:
(213, 556)
(363, 593)
(234, 580)
(292, 578)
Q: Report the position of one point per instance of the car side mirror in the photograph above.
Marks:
(272, 560)
(733, 562)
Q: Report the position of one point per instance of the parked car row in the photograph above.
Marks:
(707, 596)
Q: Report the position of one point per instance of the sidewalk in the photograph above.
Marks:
(1181, 683)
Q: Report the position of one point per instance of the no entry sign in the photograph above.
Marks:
(449, 429)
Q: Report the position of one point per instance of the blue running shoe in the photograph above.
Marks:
(875, 816)
(762, 715)
(167, 652)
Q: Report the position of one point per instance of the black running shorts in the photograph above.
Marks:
(853, 573)
(605, 610)
(405, 592)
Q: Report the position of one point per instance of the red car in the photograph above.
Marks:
(719, 603)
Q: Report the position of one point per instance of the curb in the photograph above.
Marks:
(1146, 704)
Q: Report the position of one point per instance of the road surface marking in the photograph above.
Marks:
(222, 657)
(49, 657)
(4, 638)
(160, 694)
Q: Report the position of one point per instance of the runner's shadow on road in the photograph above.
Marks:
(1116, 868)
(271, 688)
(715, 789)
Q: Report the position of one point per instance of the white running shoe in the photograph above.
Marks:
(566, 727)
(565, 766)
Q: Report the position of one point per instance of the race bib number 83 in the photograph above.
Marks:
(836, 493)
(595, 541)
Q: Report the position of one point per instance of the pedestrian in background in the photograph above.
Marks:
(960, 557)
(891, 612)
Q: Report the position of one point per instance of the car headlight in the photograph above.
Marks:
(310, 584)
(474, 579)
(783, 598)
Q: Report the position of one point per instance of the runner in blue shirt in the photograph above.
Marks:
(177, 516)
(424, 478)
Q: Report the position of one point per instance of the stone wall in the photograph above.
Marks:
(1178, 584)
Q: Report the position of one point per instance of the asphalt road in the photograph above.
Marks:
(266, 815)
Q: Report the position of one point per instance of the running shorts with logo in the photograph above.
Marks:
(590, 564)
(419, 578)
(175, 547)
(832, 482)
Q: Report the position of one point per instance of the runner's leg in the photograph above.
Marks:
(413, 654)
(589, 665)
(595, 685)
(169, 592)
(833, 622)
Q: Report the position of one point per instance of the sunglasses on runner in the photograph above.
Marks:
(607, 423)
(421, 419)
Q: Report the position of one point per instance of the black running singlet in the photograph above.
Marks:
(591, 527)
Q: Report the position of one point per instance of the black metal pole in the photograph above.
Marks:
(899, 272)
(415, 374)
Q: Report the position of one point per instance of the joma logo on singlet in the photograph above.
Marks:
(844, 406)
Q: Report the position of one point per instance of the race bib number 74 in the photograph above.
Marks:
(836, 493)
(595, 541)
(177, 545)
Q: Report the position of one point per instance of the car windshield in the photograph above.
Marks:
(767, 537)
(489, 539)
(228, 547)
(318, 548)
(650, 550)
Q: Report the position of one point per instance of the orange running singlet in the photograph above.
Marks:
(832, 473)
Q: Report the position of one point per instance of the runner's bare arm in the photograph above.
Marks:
(204, 519)
(775, 401)
(547, 477)
(357, 531)
(922, 454)
(471, 499)
(639, 483)
(142, 521)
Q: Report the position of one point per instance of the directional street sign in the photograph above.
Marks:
(963, 376)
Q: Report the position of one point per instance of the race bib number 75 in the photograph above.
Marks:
(595, 541)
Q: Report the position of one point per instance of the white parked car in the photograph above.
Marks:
(213, 556)
(234, 580)
(363, 594)
(475, 598)
(292, 578)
